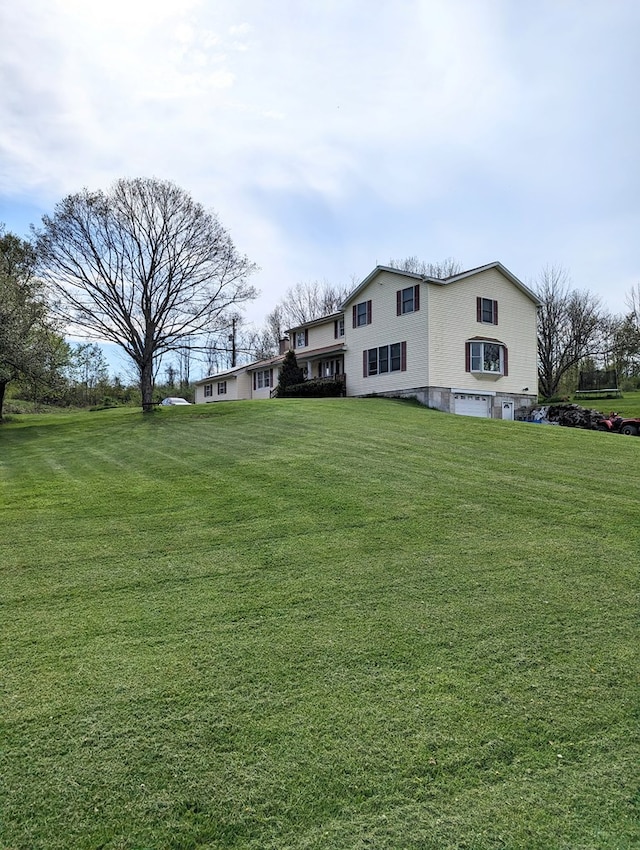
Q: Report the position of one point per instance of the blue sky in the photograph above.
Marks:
(331, 136)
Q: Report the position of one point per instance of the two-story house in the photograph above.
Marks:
(466, 344)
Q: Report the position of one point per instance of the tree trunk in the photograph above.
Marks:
(3, 387)
(146, 386)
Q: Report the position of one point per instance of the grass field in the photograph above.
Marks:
(317, 624)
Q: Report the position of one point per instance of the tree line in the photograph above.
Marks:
(147, 268)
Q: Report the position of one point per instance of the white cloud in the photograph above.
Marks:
(339, 134)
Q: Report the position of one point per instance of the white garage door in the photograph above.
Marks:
(472, 405)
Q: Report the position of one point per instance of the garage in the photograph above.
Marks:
(469, 404)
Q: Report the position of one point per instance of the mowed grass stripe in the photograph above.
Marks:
(312, 624)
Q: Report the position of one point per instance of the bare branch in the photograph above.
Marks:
(142, 266)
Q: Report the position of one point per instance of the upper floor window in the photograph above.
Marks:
(408, 300)
(487, 357)
(338, 328)
(361, 314)
(302, 338)
(487, 311)
(386, 358)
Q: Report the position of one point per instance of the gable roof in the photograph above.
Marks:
(312, 322)
(443, 281)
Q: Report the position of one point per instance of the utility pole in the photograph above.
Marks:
(232, 340)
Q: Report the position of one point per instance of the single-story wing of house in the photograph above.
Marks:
(255, 380)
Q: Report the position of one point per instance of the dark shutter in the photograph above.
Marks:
(335, 329)
(505, 361)
(467, 357)
(368, 312)
(398, 302)
(306, 336)
(355, 315)
(495, 312)
(365, 363)
(416, 297)
(254, 381)
(478, 309)
(270, 377)
(403, 356)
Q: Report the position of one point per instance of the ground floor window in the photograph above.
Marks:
(222, 387)
(385, 358)
(208, 390)
(329, 368)
(262, 379)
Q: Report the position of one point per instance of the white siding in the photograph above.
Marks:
(263, 392)
(387, 328)
(453, 320)
(319, 336)
(238, 387)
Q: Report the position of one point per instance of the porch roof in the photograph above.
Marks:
(337, 348)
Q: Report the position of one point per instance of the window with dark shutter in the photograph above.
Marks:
(487, 311)
(408, 300)
(362, 314)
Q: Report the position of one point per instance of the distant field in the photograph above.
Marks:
(295, 625)
(628, 405)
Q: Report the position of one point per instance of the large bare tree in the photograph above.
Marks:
(570, 324)
(143, 266)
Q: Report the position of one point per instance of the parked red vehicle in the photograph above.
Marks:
(617, 425)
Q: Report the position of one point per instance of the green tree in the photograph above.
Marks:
(143, 266)
(88, 371)
(29, 342)
(290, 373)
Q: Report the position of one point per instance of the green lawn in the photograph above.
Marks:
(317, 624)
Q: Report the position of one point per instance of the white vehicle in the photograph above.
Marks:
(175, 401)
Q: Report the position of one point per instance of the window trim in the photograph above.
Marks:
(262, 379)
(365, 314)
(503, 372)
(480, 310)
(371, 359)
(413, 298)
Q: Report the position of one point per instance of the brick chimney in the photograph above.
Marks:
(284, 345)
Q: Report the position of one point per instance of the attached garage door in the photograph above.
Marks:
(472, 405)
